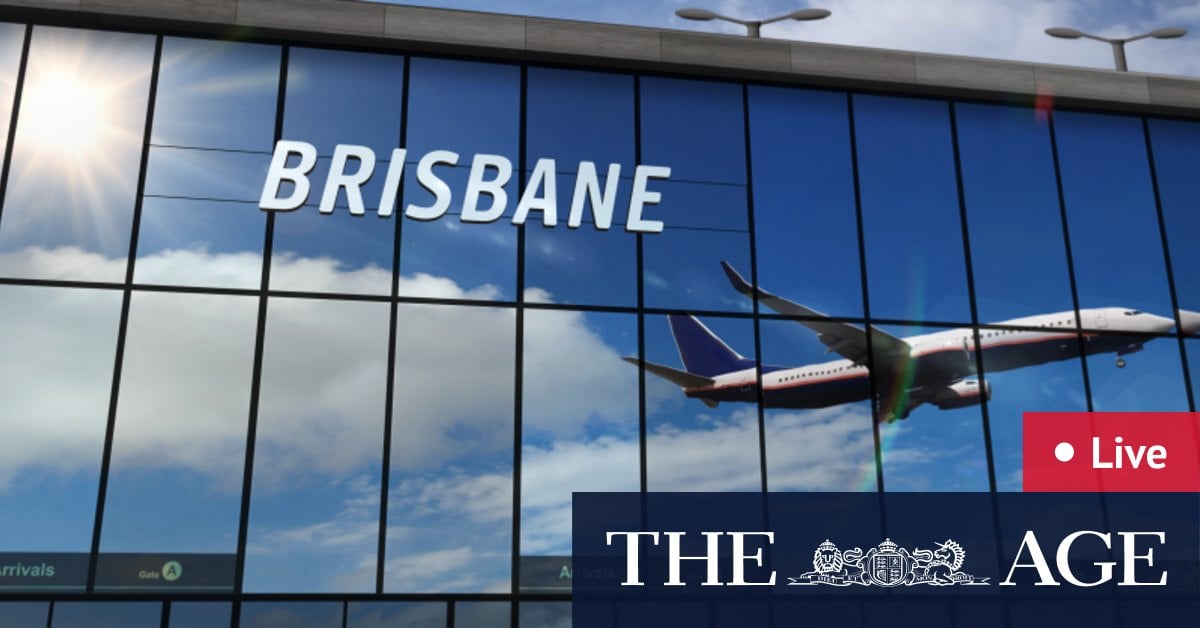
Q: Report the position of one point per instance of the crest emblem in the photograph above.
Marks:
(888, 565)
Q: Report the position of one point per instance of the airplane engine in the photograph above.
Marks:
(962, 394)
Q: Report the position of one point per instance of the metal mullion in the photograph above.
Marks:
(1162, 231)
(123, 324)
(866, 298)
(983, 406)
(256, 375)
(393, 320)
(641, 300)
(967, 261)
(519, 354)
(758, 356)
(10, 141)
(1062, 210)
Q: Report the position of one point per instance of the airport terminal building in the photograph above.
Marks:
(316, 312)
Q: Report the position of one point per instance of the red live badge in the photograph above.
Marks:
(1112, 451)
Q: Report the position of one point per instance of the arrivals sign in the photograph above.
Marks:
(484, 200)
(115, 572)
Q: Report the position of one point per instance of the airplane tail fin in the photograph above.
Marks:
(702, 352)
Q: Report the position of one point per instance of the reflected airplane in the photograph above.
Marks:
(934, 368)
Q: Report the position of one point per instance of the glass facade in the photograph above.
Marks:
(347, 406)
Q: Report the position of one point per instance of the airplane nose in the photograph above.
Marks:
(1189, 322)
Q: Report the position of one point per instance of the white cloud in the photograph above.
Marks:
(185, 386)
(450, 567)
(55, 377)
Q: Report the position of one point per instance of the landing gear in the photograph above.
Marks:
(1120, 363)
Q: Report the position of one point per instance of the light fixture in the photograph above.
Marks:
(753, 26)
(1118, 45)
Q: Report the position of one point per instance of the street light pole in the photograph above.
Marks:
(1118, 44)
(753, 27)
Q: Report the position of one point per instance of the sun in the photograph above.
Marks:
(65, 113)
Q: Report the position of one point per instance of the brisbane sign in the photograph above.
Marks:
(287, 187)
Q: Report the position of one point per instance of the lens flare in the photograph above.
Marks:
(64, 113)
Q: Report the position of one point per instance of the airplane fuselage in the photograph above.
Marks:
(939, 362)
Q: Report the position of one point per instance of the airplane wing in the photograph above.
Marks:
(845, 339)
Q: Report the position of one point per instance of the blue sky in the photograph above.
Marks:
(985, 28)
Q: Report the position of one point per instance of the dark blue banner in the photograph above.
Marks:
(894, 560)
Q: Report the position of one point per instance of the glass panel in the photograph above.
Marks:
(77, 153)
(178, 448)
(12, 38)
(806, 231)
(291, 615)
(444, 114)
(682, 266)
(309, 246)
(818, 418)
(450, 506)
(580, 266)
(200, 243)
(1113, 222)
(579, 421)
(450, 259)
(332, 253)
(54, 339)
(1028, 371)
(482, 615)
(107, 615)
(557, 100)
(200, 614)
(206, 173)
(216, 94)
(544, 615)
(396, 615)
(935, 442)
(911, 222)
(1149, 380)
(823, 613)
(694, 127)
(1011, 196)
(24, 614)
(1175, 145)
(694, 445)
(1090, 613)
(314, 516)
(926, 614)
(371, 118)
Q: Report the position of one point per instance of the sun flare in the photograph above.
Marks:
(64, 112)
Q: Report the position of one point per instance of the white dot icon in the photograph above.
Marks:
(1064, 452)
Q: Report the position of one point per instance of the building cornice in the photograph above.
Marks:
(495, 36)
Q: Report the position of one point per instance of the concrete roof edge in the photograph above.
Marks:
(619, 47)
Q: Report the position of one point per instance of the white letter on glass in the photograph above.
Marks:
(431, 182)
(494, 188)
(280, 172)
(352, 182)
